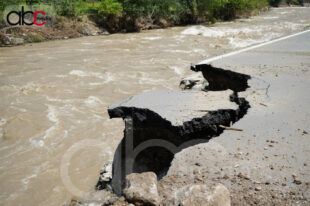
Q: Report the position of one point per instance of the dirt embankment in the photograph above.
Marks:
(65, 28)
(62, 28)
(92, 25)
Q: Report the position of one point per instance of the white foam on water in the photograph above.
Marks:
(27, 179)
(66, 133)
(52, 115)
(239, 43)
(119, 50)
(81, 73)
(36, 143)
(61, 76)
(244, 36)
(178, 51)
(172, 45)
(124, 50)
(52, 133)
(18, 108)
(87, 43)
(50, 99)
(18, 149)
(207, 32)
(236, 42)
(58, 141)
(108, 78)
(146, 79)
(217, 32)
(192, 31)
(292, 26)
(83, 50)
(2, 122)
(199, 51)
(152, 38)
(118, 90)
(285, 12)
(179, 37)
(93, 101)
(177, 70)
(254, 30)
(267, 17)
(96, 83)
(75, 109)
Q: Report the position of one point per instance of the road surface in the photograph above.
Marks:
(269, 161)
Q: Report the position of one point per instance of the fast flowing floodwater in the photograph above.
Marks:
(55, 133)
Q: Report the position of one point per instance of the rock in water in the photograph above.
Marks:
(141, 189)
(195, 82)
(105, 178)
(202, 195)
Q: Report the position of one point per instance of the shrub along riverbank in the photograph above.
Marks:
(133, 15)
(117, 15)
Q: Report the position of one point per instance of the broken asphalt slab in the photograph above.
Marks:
(177, 107)
(159, 124)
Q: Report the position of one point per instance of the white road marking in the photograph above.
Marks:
(207, 61)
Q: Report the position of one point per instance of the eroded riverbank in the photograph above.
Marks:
(55, 95)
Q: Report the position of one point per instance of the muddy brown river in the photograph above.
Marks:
(55, 133)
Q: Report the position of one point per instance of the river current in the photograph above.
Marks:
(55, 133)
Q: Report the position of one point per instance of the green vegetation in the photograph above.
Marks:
(175, 11)
(35, 38)
(110, 7)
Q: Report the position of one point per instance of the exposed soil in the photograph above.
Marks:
(245, 191)
(63, 28)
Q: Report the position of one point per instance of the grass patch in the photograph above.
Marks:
(32, 38)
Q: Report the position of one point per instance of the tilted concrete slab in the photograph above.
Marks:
(176, 107)
(160, 123)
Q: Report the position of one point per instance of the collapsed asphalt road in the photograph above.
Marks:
(266, 163)
(160, 124)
